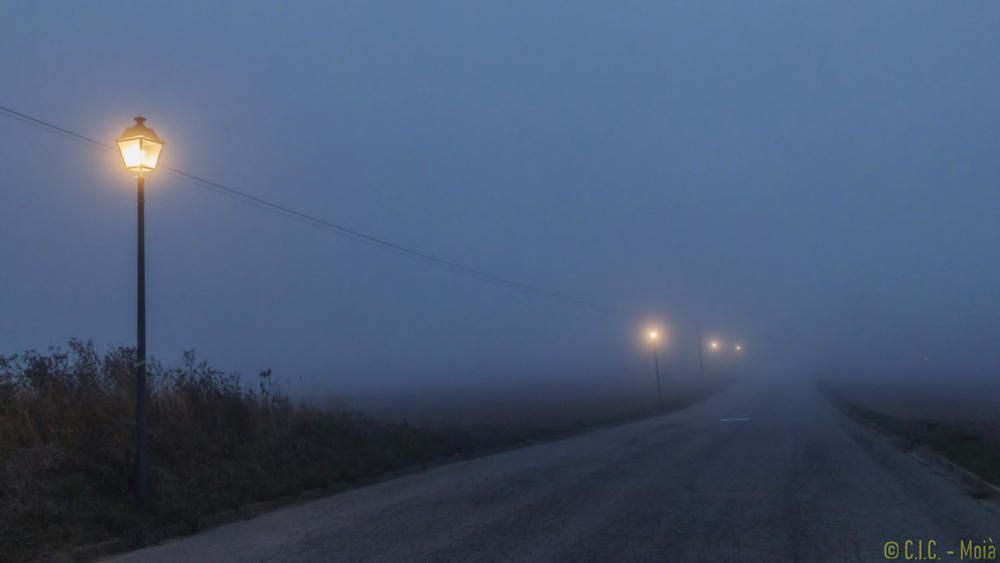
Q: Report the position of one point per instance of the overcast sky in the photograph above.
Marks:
(818, 180)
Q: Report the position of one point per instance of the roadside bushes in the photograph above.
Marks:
(67, 446)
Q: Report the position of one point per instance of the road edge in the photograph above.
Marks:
(977, 487)
(118, 546)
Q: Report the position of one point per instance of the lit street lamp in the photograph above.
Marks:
(713, 345)
(140, 148)
(654, 337)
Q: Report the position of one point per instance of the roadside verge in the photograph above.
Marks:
(249, 511)
(953, 449)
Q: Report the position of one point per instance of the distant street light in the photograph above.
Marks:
(654, 338)
(140, 148)
(714, 345)
(739, 347)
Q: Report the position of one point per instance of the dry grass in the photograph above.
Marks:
(67, 444)
(970, 444)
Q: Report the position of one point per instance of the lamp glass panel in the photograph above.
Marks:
(150, 154)
(132, 153)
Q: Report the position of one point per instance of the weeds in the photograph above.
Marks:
(67, 446)
(963, 444)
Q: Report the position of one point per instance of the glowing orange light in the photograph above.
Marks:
(140, 147)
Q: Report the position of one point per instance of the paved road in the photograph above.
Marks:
(796, 481)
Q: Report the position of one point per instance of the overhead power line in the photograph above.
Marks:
(289, 212)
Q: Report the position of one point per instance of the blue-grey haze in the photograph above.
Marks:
(818, 179)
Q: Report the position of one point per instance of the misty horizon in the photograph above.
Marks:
(827, 197)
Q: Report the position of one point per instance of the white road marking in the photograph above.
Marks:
(735, 419)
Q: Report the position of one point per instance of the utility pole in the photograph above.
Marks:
(701, 351)
(656, 363)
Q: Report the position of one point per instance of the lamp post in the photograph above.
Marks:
(140, 148)
(713, 345)
(654, 338)
(701, 351)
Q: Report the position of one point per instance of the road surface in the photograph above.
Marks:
(765, 471)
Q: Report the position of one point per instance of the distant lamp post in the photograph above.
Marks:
(701, 351)
(654, 339)
(714, 345)
(140, 148)
(739, 347)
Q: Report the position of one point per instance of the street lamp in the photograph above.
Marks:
(739, 347)
(654, 338)
(714, 345)
(140, 148)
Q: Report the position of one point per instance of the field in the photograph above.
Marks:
(960, 421)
